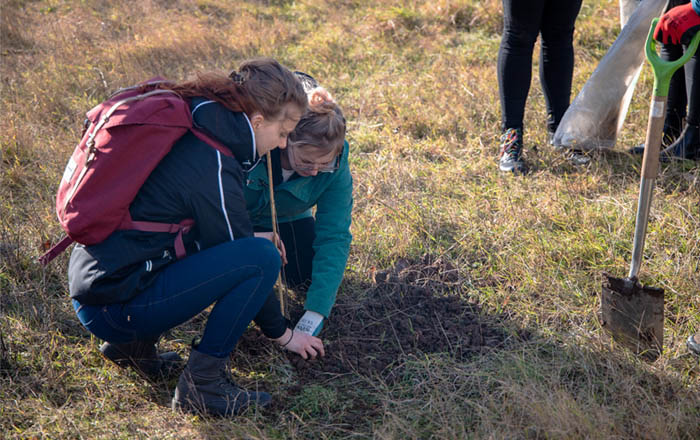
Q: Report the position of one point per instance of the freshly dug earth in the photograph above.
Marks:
(410, 310)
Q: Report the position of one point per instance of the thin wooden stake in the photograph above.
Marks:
(281, 287)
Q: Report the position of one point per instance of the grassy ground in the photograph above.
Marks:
(417, 81)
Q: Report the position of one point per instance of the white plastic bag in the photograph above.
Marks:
(627, 8)
(596, 116)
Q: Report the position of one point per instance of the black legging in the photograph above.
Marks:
(522, 22)
(298, 237)
(682, 89)
(692, 85)
(677, 99)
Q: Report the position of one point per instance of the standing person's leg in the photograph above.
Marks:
(521, 25)
(557, 65)
(677, 94)
(557, 57)
(692, 85)
(677, 97)
(676, 102)
(687, 146)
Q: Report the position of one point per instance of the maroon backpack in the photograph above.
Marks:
(127, 136)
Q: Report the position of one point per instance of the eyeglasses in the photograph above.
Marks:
(301, 160)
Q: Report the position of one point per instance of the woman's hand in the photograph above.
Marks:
(277, 241)
(303, 344)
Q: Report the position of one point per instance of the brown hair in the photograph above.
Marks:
(323, 124)
(260, 85)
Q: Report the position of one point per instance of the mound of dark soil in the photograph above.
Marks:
(410, 310)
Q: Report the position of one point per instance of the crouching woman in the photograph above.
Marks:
(312, 172)
(130, 288)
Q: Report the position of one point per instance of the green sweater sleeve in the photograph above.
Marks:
(332, 243)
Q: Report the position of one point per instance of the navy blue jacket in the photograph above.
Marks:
(193, 181)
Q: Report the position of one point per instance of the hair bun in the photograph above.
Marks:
(321, 101)
(237, 78)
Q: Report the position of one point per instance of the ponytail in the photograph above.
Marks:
(260, 85)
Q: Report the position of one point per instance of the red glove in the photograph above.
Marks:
(678, 25)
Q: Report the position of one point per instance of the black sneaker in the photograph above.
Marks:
(510, 158)
(668, 138)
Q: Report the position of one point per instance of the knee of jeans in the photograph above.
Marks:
(268, 254)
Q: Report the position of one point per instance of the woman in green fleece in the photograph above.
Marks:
(311, 172)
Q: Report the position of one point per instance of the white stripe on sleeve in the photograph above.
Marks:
(221, 193)
(252, 135)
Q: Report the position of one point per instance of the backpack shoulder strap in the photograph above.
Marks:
(55, 250)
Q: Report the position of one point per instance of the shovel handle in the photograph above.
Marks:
(652, 143)
(664, 70)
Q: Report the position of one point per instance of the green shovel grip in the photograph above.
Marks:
(664, 70)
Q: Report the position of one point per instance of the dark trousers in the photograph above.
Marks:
(298, 238)
(235, 276)
(523, 21)
(684, 89)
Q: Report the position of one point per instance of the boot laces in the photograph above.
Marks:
(228, 381)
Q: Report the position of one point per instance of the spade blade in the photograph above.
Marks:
(633, 314)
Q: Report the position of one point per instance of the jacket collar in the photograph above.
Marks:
(232, 129)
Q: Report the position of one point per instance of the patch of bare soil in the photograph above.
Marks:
(411, 309)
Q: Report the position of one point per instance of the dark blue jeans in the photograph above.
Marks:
(237, 276)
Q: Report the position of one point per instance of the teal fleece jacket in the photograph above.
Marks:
(331, 194)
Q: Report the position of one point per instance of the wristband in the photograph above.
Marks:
(290, 339)
(311, 323)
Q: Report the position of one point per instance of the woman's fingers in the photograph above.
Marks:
(319, 347)
(315, 347)
(311, 351)
(309, 346)
(277, 241)
(282, 249)
(303, 344)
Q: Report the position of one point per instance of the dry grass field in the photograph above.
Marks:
(521, 256)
